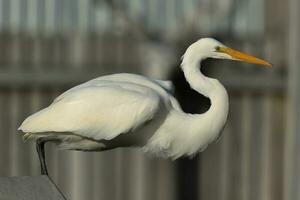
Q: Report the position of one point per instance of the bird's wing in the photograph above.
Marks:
(161, 86)
(138, 79)
(167, 85)
(97, 112)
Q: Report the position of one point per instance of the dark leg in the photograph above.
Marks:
(40, 147)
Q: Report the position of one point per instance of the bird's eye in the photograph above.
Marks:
(217, 48)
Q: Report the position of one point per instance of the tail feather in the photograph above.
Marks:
(33, 123)
(33, 136)
(45, 120)
(26, 137)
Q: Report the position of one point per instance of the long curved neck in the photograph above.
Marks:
(199, 82)
(210, 88)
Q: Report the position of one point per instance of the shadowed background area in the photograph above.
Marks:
(48, 46)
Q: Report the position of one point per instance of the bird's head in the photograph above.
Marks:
(211, 48)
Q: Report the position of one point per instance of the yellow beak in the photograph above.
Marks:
(243, 57)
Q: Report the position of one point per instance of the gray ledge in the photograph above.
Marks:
(29, 188)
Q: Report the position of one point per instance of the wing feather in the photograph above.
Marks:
(124, 78)
(97, 112)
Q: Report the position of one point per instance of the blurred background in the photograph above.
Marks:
(48, 46)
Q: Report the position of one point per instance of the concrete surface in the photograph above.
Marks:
(29, 188)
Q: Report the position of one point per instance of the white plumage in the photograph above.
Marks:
(123, 110)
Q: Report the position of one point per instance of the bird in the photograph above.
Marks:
(131, 110)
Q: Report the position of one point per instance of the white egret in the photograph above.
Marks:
(123, 110)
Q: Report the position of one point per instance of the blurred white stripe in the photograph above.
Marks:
(32, 17)
(135, 7)
(153, 14)
(15, 11)
(170, 15)
(1, 15)
(49, 16)
(83, 8)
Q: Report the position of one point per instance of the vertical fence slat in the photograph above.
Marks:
(49, 17)
(246, 145)
(35, 106)
(256, 145)
(225, 163)
(32, 20)
(5, 134)
(277, 147)
(266, 149)
(14, 147)
(292, 137)
(166, 185)
(83, 7)
(236, 149)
